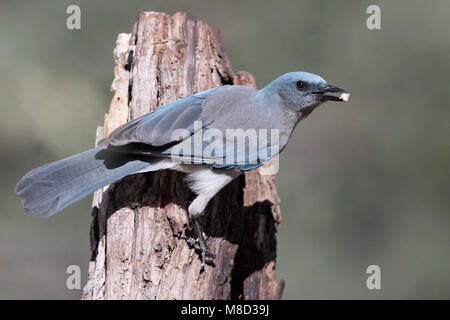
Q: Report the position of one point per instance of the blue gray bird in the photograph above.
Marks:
(148, 143)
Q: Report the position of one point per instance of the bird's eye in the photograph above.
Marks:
(300, 85)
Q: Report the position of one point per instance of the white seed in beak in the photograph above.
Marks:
(344, 96)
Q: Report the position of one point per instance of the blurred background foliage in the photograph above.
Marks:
(361, 183)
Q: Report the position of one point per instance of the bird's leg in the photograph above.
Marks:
(199, 243)
(197, 209)
(206, 183)
(202, 243)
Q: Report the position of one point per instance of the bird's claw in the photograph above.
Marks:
(204, 253)
(199, 244)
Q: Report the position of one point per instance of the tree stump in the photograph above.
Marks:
(136, 250)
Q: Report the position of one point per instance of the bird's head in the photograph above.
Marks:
(301, 92)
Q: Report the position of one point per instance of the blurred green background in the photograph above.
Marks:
(360, 183)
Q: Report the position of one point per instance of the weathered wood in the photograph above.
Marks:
(137, 221)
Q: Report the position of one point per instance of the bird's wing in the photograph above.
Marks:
(151, 134)
(155, 129)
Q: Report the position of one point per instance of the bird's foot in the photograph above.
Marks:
(199, 244)
(194, 243)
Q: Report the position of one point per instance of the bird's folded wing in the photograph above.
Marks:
(153, 134)
(155, 129)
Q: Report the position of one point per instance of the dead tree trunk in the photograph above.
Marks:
(136, 253)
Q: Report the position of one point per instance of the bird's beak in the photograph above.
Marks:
(344, 95)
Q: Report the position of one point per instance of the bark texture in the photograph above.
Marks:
(136, 252)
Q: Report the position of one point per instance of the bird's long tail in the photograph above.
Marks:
(52, 187)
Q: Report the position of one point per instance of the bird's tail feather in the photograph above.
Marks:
(50, 188)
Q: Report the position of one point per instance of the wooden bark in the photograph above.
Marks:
(136, 250)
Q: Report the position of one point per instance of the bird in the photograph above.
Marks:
(178, 136)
